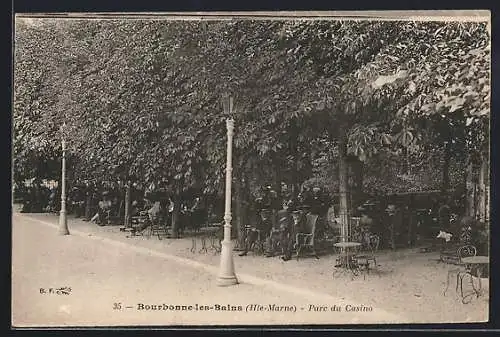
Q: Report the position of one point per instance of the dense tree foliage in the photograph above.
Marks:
(343, 103)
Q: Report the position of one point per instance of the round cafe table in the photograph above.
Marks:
(478, 262)
(346, 263)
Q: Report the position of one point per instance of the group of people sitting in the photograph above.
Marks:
(104, 210)
(158, 207)
(279, 222)
(35, 198)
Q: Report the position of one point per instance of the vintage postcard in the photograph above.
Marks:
(242, 169)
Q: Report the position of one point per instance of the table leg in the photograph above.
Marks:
(475, 291)
(203, 245)
(468, 296)
(346, 265)
(213, 241)
(478, 289)
(193, 245)
(350, 266)
(339, 267)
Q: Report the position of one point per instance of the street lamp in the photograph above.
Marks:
(63, 223)
(227, 277)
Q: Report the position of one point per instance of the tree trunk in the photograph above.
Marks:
(295, 173)
(246, 200)
(445, 184)
(482, 189)
(470, 190)
(127, 204)
(405, 167)
(277, 188)
(277, 177)
(410, 220)
(294, 152)
(176, 214)
(487, 206)
(357, 171)
(343, 185)
(239, 206)
(88, 205)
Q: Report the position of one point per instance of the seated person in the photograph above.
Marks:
(51, 207)
(78, 201)
(365, 223)
(103, 209)
(305, 199)
(252, 233)
(197, 214)
(138, 213)
(251, 236)
(280, 232)
(150, 209)
(154, 210)
(166, 209)
(134, 208)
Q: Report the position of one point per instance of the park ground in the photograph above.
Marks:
(106, 270)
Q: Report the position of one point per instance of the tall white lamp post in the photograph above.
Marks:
(63, 223)
(227, 277)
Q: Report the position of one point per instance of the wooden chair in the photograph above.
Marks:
(158, 227)
(138, 225)
(104, 218)
(305, 240)
(364, 258)
(253, 240)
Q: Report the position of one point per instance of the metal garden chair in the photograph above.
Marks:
(463, 268)
(368, 256)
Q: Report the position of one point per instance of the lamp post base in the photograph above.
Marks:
(227, 281)
(63, 225)
(63, 231)
(226, 276)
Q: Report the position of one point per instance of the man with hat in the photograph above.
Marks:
(154, 210)
(305, 199)
(288, 238)
(268, 209)
(78, 200)
(266, 206)
(269, 199)
(365, 223)
(395, 222)
(319, 206)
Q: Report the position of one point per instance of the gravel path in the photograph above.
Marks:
(408, 283)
